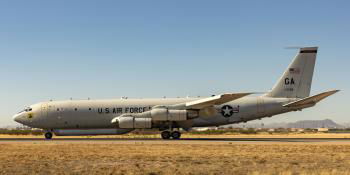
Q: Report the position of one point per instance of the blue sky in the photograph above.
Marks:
(108, 49)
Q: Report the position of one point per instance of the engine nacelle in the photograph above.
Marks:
(164, 114)
(133, 122)
(146, 120)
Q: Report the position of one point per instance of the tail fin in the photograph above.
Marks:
(296, 80)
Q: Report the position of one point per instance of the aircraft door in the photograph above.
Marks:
(56, 114)
(50, 110)
(260, 105)
(44, 109)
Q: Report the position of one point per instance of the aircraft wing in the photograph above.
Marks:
(214, 100)
(311, 100)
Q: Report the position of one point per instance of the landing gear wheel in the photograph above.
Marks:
(48, 135)
(176, 135)
(165, 135)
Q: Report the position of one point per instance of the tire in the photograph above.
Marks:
(48, 135)
(176, 135)
(165, 135)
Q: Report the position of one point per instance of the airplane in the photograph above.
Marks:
(172, 115)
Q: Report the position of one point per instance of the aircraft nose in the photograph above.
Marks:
(18, 118)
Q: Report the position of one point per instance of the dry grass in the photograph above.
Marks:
(138, 158)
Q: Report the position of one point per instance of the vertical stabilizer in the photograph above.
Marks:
(296, 80)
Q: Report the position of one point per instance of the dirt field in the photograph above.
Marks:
(138, 158)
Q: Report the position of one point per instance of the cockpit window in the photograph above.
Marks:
(26, 110)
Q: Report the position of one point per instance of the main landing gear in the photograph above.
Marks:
(173, 135)
(48, 135)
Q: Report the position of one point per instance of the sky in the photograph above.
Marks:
(56, 50)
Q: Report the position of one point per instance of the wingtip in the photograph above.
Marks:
(331, 92)
(335, 91)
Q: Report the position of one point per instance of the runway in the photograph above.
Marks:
(180, 141)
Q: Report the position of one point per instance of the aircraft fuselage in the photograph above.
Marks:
(90, 114)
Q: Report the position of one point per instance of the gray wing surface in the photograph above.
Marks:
(214, 100)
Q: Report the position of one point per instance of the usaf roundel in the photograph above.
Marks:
(227, 111)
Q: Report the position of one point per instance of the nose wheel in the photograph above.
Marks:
(48, 135)
(167, 135)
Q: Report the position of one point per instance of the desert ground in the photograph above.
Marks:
(147, 156)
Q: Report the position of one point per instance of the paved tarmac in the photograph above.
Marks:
(58, 140)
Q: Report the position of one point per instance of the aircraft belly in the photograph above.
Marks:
(81, 132)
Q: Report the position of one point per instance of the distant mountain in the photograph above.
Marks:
(258, 125)
(327, 123)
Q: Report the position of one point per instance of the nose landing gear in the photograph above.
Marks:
(48, 135)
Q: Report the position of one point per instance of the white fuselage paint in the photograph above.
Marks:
(93, 114)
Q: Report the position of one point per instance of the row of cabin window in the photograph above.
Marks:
(58, 109)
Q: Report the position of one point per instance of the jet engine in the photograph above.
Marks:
(132, 122)
(164, 114)
(147, 119)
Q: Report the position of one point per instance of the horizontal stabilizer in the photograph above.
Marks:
(215, 100)
(310, 100)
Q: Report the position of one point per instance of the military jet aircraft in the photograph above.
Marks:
(170, 115)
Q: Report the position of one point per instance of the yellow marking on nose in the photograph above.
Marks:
(30, 115)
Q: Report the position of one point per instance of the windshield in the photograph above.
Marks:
(28, 109)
